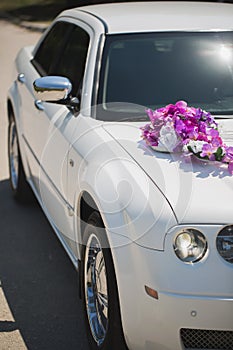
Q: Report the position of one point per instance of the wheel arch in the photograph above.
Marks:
(13, 102)
(87, 206)
(10, 109)
(13, 112)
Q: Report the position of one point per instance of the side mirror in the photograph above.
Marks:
(55, 89)
(52, 88)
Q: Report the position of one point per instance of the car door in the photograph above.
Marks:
(34, 125)
(46, 125)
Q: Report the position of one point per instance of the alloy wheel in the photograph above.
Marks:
(96, 289)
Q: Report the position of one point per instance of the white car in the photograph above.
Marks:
(150, 234)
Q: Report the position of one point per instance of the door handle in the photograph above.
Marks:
(21, 78)
(39, 105)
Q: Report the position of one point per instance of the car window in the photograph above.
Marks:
(155, 69)
(71, 63)
(50, 48)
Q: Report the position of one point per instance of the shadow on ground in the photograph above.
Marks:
(38, 279)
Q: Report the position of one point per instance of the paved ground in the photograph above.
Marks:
(39, 306)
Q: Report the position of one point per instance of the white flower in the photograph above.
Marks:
(168, 138)
(195, 145)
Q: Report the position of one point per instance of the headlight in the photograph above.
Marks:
(190, 245)
(225, 243)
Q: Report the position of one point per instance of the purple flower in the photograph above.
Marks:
(228, 155)
(202, 137)
(228, 158)
(202, 127)
(213, 133)
(230, 168)
(181, 106)
(150, 135)
(208, 151)
(179, 125)
(217, 142)
(153, 115)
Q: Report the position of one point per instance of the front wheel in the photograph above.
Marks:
(99, 290)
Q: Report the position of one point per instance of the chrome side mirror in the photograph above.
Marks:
(52, 88)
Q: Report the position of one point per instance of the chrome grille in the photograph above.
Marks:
(206, 339)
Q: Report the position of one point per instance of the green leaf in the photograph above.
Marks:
(219, 154)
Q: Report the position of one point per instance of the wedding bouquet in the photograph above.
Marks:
(179, 128)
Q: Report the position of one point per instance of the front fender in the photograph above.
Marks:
(131, 206)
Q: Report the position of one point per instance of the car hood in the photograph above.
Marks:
(198, 191)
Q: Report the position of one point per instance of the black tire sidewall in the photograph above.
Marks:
(22, 191)
(114, 339)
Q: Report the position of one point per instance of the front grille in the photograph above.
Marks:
(206, 339)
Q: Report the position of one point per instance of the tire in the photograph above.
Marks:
(99, 290)
(18, 183)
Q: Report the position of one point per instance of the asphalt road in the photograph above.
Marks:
(39, 304)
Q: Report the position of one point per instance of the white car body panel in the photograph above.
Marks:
(172, 17)
(189, 176)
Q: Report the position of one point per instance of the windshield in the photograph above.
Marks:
(154, 69)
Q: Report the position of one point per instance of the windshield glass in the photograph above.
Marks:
(154, 69)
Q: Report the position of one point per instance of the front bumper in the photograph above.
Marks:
(192, 299)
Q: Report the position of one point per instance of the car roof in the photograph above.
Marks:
(161, 16)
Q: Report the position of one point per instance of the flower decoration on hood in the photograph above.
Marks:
(179, 128)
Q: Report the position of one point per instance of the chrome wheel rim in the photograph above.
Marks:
(13, 155)
(96, 291)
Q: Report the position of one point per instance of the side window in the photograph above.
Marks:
(50, 48)
(73, 59)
